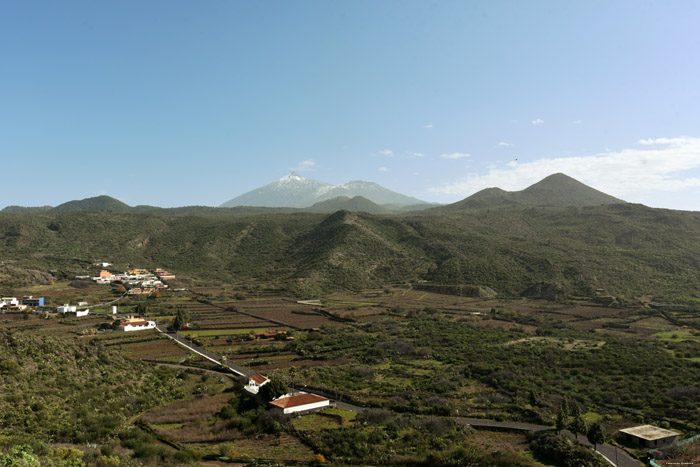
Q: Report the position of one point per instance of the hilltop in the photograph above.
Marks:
(555, 190)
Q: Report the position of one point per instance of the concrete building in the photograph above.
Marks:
(33, 302)
(302, 402)
(136, 324)
(255, 382)
(650, 436)
(8, 301)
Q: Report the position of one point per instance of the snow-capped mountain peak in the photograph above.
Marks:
(293, 190)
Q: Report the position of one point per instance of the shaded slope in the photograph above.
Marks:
(357, 204)
(623, 248)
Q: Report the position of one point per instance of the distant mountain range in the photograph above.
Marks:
(295, 191)
(553, 239)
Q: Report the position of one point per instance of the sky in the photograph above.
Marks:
(174, 103)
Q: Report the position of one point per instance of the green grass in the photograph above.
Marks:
(221, 332)
(678, 335)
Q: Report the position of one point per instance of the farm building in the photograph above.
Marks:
(302, 402)
(650, 436)
(8, 301)
(255, 382)
(66, 309)
(78, 313)
(136, 324)
(33, 302)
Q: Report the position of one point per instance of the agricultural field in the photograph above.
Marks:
(397, 351)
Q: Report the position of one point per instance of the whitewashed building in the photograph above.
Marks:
(303, 402)
(136, 324)
(8, 301)
(255, 382)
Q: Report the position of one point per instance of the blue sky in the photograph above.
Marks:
(174, 103)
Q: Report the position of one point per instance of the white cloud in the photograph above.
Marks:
(386, 152)
(661, 165)
(503, 144)
(429, 125)
(455, 155)
(305, 166)
(537, 121)
(383, 169)
(577, 122)
(418, 154)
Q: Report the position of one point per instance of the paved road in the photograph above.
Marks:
(616, 456)
(509, 425)
(238, 370)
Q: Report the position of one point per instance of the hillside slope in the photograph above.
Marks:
(555, 190)
(623, 248)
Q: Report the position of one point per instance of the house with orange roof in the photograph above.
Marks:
(136, 324)
(255, 382)
(300, 403)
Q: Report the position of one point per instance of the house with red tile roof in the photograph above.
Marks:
(301, 402)
(136, 324)
(255, 382)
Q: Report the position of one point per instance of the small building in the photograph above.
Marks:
(105, 274)
(302, 402)
(33, 302)
(66, 309)
(78, 313)
(136, 324)
(650, 436)
(255, 382)
(137, 272)
(8, 301)
(165, 275)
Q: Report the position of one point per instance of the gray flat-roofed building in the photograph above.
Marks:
(650, 436)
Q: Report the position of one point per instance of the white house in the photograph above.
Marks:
(79, 313)
(255, 382)
(67, 309)
(136, 324)
(8, 301)
(302, 402)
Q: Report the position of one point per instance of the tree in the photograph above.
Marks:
(274, 389)
(595, 435)
(565, 407)
(181, 319)
(578, 424)
(293, 375)
(533, 399)
(562, 420)
(141, 309)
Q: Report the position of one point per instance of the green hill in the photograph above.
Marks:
(98, 203)
(554, 190)
(624, 248)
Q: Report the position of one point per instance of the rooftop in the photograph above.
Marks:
(259, 379)
(296, 401)
(649, 432)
